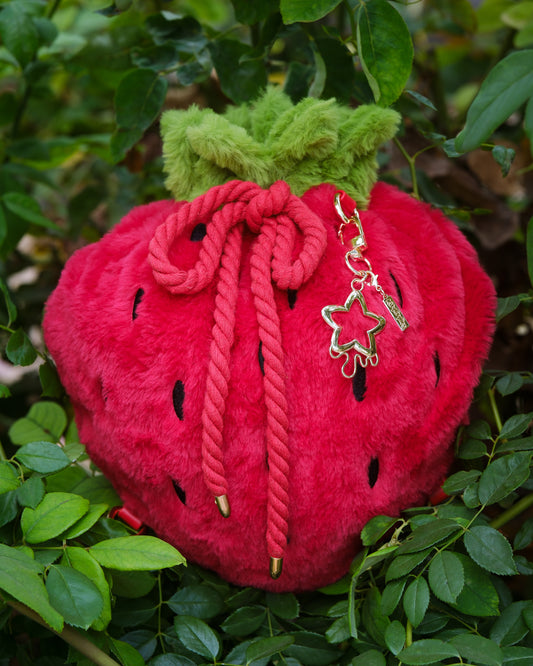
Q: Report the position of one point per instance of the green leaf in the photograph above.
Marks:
(73, 595)
(504, 158)
(517, 656)
(197, 636)
(428, 535)
(446, 576)
(10, 306)
(376, 528)
(506, 306)
(244, 621)
(457, 482)
(43, 457)
(479, 430)
(80, 560)
(524, 536)
(404, 564)
(19, 349)
(478, 596)
(241, 80)
(136, 553)
(477, 649)
(122, 140)
(127, 654)
(471, 449)
(86, 522)
(9, 479)
(508, 85)
(312, 649)
(285, 606)
(502, 476)
(385, 49)
(20, 577)
(374, 620)
(139, 98)
(31, 492)
(427, 651)
(511, 381)
(416, 601)
(339, 631)
(510, 627)
(4, 391)
(516, 425)
(490, 549)
(52, 516)
(27, 209)
(392, 595)
(306, 11)
(369, 658)
(45, 421)
(395, 637)
(201, 601)
(18, 32)
(133, 584)
(266, 647)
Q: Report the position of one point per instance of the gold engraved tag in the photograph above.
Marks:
(396, 313)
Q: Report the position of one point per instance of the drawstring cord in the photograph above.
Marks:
(274, 215)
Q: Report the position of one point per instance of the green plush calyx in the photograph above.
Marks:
(305, 144)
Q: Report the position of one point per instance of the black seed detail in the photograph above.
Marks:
(199, 231)
(182, 495)
(266, 461)
(291, 297)
(373, 472)
(178, 396)
(261, 358)
(138, 298)
(359, 383)
(436, 361)
(398, 290)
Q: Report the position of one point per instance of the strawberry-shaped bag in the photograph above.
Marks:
(280, 353)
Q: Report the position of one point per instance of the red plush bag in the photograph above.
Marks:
(304, 366)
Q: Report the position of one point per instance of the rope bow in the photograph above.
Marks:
(274, 215)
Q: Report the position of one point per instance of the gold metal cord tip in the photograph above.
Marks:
(223, 505)
(276, 565)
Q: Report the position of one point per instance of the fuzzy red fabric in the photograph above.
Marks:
(134, 359)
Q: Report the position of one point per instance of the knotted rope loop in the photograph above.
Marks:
(275, 216)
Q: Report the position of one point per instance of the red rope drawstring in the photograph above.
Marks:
(274, 215)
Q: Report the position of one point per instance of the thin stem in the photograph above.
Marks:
(70, 636)
(512, 512)
(411, 163)
(495, 410)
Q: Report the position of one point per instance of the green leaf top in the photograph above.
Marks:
(306, 144)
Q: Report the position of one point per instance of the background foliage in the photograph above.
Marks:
(82, 85)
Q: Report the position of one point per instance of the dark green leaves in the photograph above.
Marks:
(19, 33)
(385, 49)
(306, 10)
(427, 651)
(138, 101)
(503, 476)
(242, 76)
(446, 576)
(508, 85)
(19, 349)
(201, 601)
(197, 636)
(45, 421)
(491, 550)
(416, 601)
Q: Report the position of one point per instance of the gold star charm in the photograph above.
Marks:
(362, 354)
